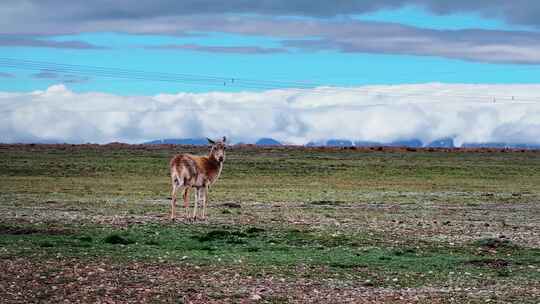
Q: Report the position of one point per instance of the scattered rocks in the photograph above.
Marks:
(491, 263)
(231, 205)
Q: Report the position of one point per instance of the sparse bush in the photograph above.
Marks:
(494, 243)
(117, 239)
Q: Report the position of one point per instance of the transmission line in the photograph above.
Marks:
(307, 88)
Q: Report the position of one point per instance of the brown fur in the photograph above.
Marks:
(200, 172)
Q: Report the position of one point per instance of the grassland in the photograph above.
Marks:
(89, 223)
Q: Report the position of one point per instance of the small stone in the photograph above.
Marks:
(255, 297)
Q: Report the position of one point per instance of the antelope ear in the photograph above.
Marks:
(224, 139)
(210, 141)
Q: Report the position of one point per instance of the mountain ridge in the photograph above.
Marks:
(410, 143)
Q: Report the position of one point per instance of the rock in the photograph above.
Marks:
(231, 205)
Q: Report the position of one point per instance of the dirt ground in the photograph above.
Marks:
(89, 224)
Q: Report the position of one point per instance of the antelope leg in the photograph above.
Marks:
(173, 199)
(197, 194)
(205, 200)
(186, 201)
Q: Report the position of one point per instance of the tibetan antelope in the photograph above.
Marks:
(199, 172)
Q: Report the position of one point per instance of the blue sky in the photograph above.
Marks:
(327, 65)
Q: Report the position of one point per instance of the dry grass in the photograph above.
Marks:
(89, 223)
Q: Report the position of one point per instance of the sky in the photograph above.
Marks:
(298, 71)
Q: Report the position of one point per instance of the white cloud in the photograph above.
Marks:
(427, 112)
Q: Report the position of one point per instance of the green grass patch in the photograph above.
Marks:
(277, 249)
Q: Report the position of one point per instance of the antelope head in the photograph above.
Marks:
(217, 150)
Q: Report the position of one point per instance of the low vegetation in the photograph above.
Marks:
(90, 223)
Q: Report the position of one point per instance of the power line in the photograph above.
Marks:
(150, 76)
(307, 88)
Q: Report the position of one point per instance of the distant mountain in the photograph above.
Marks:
(339, 143)
(413, 143)
(485, 145)
(267, 142)
(525, 146)
(179, 141)
(442, 143)
(367, 143)
(315, 144)
(501, 145)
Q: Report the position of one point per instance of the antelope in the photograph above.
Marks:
(199, 172)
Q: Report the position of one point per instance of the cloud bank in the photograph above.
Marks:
(6, 75)
(343, 35)
(517, 11)
(245, 50)
(7, 40)
(29, 23)
(370, 113)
